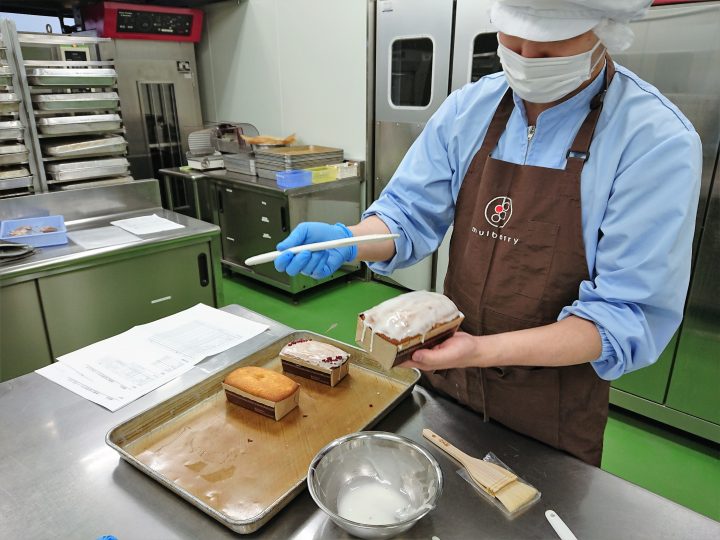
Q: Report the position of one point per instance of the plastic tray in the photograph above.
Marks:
(86, 77)
(293, 179)
(36, 238)
(65, 102)
(252, 466)
(79, 124)
(92, 147)
(326, 173)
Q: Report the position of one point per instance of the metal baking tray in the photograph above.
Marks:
(79, 124)
(242, 468)
(12, 149)
(91, 147)
(16, 172)
(84, 100)
(97, 183)
(5, 76)
(14, 159)
(11, 130)
(90, 164)
(71, 77)
(85, 170)
(9, 103)
(15, 183)
(88, 174)
(291, 154)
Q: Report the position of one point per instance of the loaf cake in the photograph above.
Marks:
(262, 390)
(315, 360)
(392, 331)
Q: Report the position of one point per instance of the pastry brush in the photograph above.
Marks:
(491, 478)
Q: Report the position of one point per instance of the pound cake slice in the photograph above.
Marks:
(315, 360)
(392, 331)
(264, 391)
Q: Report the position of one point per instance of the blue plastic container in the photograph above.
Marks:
(293, 179)
(36, 237)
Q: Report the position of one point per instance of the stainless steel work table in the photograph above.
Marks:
(58, 479)
(102, 206)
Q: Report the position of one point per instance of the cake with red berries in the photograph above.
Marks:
(315, 360)
(392, 331)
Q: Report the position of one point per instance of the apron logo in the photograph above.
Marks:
(499, 211)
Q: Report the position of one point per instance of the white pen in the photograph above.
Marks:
(320, 246)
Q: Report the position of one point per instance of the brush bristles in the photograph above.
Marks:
(516, 495)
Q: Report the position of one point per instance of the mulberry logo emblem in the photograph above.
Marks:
(499, 211)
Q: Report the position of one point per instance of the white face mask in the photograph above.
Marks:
(544, 80)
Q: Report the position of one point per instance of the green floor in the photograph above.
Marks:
(665, 461)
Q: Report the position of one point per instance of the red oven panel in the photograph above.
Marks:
(134, 21)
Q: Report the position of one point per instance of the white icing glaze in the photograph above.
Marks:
(411, 314)
(315, 353)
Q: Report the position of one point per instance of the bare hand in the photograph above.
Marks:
(460, 351)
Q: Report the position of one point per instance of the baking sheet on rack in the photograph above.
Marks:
(241, 467)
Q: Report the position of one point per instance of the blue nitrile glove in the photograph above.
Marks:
(317, 264)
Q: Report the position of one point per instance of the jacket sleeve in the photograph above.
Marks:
(642, 270)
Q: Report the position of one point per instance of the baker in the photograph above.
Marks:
(594, 172)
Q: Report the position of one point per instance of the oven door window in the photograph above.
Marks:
(485, 58)
(411, 72)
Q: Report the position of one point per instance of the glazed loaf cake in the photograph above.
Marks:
(264, 391)
(392, 331)
(315, 360)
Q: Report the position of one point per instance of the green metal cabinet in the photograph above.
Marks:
(23, 345)
(87, 305)
(651, 382)
(695, 383)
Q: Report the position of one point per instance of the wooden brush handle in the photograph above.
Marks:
(445, 446)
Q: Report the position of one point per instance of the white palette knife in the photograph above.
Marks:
(320, 246)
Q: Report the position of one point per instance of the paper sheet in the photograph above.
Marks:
(147, 224)
(102, 237)
(120, 369)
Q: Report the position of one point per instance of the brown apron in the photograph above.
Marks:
(517, 257)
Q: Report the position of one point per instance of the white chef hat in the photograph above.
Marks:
(555, 20)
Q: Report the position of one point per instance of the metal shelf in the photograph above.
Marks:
(53, 40)
(85, 133)
(67, 112)
(69, 63)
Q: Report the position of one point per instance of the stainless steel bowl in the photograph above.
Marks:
(375, 457)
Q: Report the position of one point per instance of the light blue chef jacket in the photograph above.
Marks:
(639, 191)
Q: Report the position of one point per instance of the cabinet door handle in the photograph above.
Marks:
(203, 271)
(220, 201)
(283, 219)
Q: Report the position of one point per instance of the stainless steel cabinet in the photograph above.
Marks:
(673, 48)
(158, 87)
(417, 43)
(695, 384)
(23, 346)
(91, 304)
(254, 214)
(251, 223)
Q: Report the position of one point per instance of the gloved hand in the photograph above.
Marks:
(317, 264)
